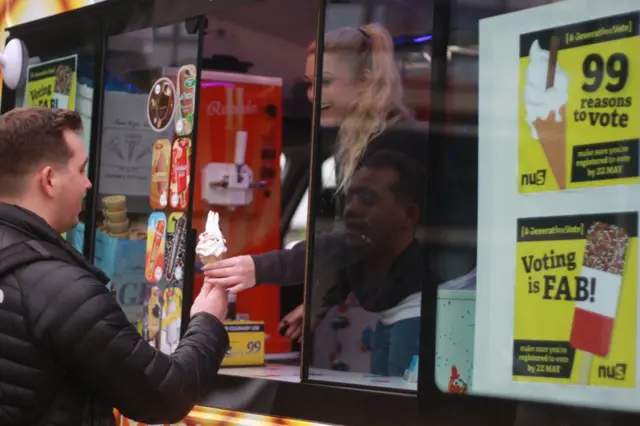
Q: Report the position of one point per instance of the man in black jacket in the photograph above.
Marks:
(68, 354)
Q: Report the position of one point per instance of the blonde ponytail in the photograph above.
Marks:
(380, 102)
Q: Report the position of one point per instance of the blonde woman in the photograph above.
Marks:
(361, 91)
(361, 96)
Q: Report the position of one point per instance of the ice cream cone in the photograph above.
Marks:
(115, 203)
(554, 144)
(118, 227)
(211, 244)
(206, 260)
(117, 216)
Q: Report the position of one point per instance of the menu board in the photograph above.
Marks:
(557, 279)
(169, 108)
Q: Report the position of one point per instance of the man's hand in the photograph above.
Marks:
(235, 273)
(213, 300)
(293, 322)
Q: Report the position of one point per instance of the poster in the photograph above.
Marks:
(578, 105)
(557, 167)
(52, 84)
(576, 300)
(127, 147)
(23, 11)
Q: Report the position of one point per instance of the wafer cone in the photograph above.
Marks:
(554, 144)
(208, 259)
(115, 203)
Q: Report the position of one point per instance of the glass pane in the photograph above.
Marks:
(253, 109)
(298, 226)
(555, 314)
(368, 262)
(62, 79)
(144, 175)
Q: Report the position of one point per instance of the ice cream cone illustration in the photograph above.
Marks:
(545, 96)
(552, 137)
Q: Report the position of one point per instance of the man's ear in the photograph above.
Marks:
(48, 181)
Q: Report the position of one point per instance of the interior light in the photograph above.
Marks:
(413, 40)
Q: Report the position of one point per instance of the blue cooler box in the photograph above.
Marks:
(122, 260)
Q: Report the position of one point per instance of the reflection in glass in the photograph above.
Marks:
(144, 176)
(368, 263)
(374, 264)
(367, 266)
(542, 330)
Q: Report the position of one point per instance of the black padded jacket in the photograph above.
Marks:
(68, 354)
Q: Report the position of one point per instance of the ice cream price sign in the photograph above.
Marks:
(52, 84)
(575, 300)
(579, 94)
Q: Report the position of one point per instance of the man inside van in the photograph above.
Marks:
(376, 257)
(68, 354)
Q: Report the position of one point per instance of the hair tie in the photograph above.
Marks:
(364, 32)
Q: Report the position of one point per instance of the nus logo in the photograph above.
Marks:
(616, 371)
(537, 178)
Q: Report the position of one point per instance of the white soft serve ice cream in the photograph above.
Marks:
(539, 100)
(211, 242)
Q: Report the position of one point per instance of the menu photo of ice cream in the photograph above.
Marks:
(156, 239)
(171, 319)
(175, 248)
(152, 315)
(160, 174)
(577, 125)
(575, 315)
(161, 104)
(186, 95)
(180, 174)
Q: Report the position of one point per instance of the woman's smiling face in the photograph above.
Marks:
(339, 87)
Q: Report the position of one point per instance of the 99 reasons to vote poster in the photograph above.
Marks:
(575, 300)
(578, 125)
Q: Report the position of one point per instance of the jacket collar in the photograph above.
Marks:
(34, 227)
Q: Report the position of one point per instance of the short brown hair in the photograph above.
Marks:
(30, 138)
